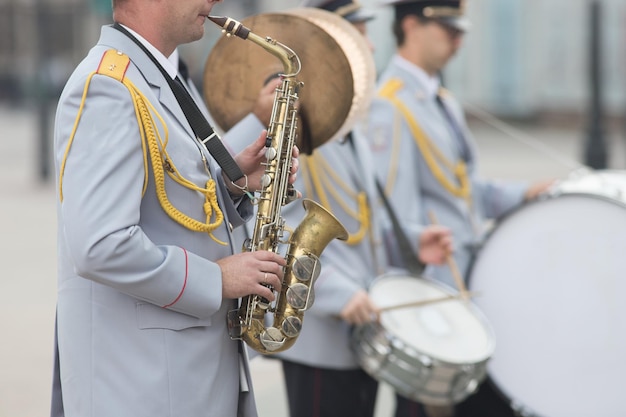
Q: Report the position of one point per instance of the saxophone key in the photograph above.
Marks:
(270, 153)
(291, 326)
(306, 268)
(266, 180)
(272, 339)
(234, 323)
(292, 195)
(262, 302)
(300, 296)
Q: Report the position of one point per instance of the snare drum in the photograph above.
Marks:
(436, 353)
(552, 279)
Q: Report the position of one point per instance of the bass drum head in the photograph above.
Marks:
(551, 283)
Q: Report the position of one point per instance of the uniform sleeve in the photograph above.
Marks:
(499, 197)
(243, 133)
(333, 290)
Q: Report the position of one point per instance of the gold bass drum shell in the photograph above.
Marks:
(338, 73)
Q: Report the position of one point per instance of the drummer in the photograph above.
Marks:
(425, 153)
(321, 372)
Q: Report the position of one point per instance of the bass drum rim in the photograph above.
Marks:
(594, 189)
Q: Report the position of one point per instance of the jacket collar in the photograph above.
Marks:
(423, 84)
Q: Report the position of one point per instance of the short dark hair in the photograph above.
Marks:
(396, 27)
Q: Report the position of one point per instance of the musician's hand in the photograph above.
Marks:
(251, 161)
(265, 101)
(360, 309)
(435, 244)
(537, 188)
(247, 273)
(295, 165)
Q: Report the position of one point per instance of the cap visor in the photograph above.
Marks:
(360, 16)
(461, 23)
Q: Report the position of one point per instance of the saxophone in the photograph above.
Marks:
(306, 242)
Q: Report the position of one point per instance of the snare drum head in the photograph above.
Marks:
(552, 285)
(452, 331)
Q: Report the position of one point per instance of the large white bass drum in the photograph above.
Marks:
(552, 282)
(434, 353)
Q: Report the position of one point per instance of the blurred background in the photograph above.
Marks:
(561, 61)
(543, 82)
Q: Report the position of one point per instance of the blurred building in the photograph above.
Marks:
(531, 58)
(40, 42)
(522, 58)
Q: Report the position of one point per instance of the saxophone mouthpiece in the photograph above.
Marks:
(230, 26)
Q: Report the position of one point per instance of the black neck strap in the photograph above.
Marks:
(200, 126)
(411, 262)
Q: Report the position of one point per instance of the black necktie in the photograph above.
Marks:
(456, 129)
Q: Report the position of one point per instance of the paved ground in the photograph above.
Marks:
(27, 250)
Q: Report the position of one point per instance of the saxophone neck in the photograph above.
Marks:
(289, 59)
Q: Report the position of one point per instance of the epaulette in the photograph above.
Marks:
(114, 64)
(390, 88)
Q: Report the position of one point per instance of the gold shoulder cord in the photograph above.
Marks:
(432, 154)
(314, 179)
(114, 64)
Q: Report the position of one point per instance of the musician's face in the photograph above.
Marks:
(436, 43)
(188, 18)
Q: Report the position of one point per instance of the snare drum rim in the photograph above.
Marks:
(488, 328)
(381, 367)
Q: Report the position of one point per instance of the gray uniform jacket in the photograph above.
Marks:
(141, 323)
(413, 190)
(346, 269)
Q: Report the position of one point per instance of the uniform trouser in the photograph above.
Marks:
(322, 392)
(408, 408)
(486, 402)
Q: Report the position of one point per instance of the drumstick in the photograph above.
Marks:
(458, 279)
(421, 303)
